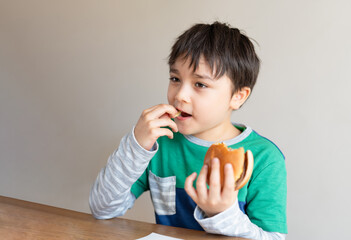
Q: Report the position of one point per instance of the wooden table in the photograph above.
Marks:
(26, 220)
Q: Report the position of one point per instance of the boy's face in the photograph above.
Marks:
(206, 103)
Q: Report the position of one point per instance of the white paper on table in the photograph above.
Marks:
(154, 236)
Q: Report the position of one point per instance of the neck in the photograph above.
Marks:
(220, 133)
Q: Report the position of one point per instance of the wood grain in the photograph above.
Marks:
(27, 220)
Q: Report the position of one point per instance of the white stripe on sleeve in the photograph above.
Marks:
(110, 195)
(233, 222)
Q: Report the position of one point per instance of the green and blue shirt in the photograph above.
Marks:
(131, 170)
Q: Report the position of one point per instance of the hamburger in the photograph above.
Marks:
(242, 162)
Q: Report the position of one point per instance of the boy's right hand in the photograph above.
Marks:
(151, 123)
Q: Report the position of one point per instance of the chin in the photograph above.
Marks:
(185, 131)
(188, 128)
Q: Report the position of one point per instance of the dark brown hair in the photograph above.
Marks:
(226, 50)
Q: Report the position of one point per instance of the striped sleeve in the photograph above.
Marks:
(233, 222)
(110, 195)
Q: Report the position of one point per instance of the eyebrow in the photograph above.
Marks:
(201, 76)
(173, 70)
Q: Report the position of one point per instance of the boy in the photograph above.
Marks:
(213, 69)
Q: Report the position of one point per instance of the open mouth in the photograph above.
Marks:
(182, 114)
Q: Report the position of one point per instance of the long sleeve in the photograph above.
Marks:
(110, 195)
(233, 222)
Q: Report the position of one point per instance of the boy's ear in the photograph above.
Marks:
(239, 97)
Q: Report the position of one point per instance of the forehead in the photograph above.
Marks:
(185, 63)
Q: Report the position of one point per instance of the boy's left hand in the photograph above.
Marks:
(216, 199)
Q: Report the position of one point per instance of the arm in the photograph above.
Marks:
(111, 196)
(233, 222)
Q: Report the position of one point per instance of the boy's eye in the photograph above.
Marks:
(200, 85)
(174, 79)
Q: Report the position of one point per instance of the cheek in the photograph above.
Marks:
(206, 108)
(170, 95)
(213, 108)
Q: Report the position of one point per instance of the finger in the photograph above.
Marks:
(159, 132)
(161, 110)
(146, 111)
(189, 187)
(215, 179)
(229, 181)
(157, 123)
(201, 186)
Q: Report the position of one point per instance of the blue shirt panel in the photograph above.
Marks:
(184, 216)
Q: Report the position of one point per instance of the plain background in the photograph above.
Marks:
(75, 76)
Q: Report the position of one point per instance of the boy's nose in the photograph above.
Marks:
(183, 95)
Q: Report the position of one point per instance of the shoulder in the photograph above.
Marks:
(252, 140)
(267, 154)
(263, 146)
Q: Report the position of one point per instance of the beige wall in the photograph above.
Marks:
(75, 76)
